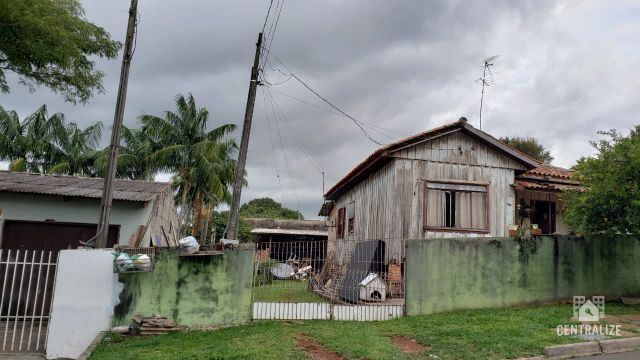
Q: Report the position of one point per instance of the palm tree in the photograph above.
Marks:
(13, 140)
(199, 159)
(135, 149)
(29, 145)
(76, 150)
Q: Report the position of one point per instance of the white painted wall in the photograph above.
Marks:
(85, 294)
(19, 206)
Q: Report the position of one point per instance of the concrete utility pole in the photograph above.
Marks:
(234, 215)
(114, 148)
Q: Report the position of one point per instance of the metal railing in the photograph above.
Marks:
(28, 280)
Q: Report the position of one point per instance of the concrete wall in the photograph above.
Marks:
(128, 214)
(446, 274)
(85, 294)
(194, 291)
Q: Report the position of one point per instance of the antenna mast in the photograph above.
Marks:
(486, 81)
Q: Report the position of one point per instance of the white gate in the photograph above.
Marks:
(28, 280)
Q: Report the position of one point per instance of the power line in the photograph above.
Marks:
(284, 155)
(314, 161)
(337, 113)
(355, 121)
(271, 33)
(273, 147)
(275, 27)
(338, 109)
(267, 17)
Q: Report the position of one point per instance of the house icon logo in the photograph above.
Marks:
(588, 310)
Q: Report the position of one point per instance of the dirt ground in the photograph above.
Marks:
(407, 345)
(315, 350)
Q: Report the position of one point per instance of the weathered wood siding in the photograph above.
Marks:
(388, 204)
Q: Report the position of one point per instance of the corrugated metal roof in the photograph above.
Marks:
(266, 231)
(74, 186)
(290, 224)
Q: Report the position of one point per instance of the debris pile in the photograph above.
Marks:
(128, 260)
(154, 325)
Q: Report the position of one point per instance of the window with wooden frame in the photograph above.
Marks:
(340, 223)
(456, 206)
(351, 217)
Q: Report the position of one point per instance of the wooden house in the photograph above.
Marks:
(451, 181)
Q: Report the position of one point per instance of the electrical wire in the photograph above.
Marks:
(267, 17)
(338, 109)
(275, 27)
(273, 148)
(314, 161)
(355, 121)
(286, 160)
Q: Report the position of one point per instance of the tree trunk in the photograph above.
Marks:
(183, 204)
(196, 229)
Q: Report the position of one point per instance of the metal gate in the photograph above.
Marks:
(28, 280)
(346, 279)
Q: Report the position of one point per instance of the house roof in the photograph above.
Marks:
(287, 227)
(549, 171)
(265, 231)
(547, 178)
(325, 209)
(544, 186)
(379, 157)
(290, 224)
(75, 186)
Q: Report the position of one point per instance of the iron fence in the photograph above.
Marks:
(346, 279)
(28, 280)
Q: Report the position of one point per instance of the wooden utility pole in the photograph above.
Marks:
(114, 147)
(234, 215)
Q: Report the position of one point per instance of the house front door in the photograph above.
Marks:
(544, 215)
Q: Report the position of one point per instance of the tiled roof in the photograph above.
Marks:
(550, 171)
(544, 186)
(74, 186)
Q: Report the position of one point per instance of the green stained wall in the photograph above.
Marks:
(446, 274)
(194, 291)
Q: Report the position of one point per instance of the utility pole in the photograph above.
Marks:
(114, 148)
(234, 215)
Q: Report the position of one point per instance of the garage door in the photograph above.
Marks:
(54, 236)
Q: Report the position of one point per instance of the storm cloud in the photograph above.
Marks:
(566, 70)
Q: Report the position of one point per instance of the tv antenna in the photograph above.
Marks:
(486, 80)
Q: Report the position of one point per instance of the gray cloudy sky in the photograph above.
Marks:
(566, 70)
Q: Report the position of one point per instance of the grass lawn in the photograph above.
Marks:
(468, 334)
(286, 291)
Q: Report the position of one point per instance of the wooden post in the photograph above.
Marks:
(232, 226)
(114, 148)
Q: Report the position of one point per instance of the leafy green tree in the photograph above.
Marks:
(77, 152)
(30, 144)
(268, 208)
(219, 224)
(530, 146)
(610, 201)
(200, 160)
(49, 42)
